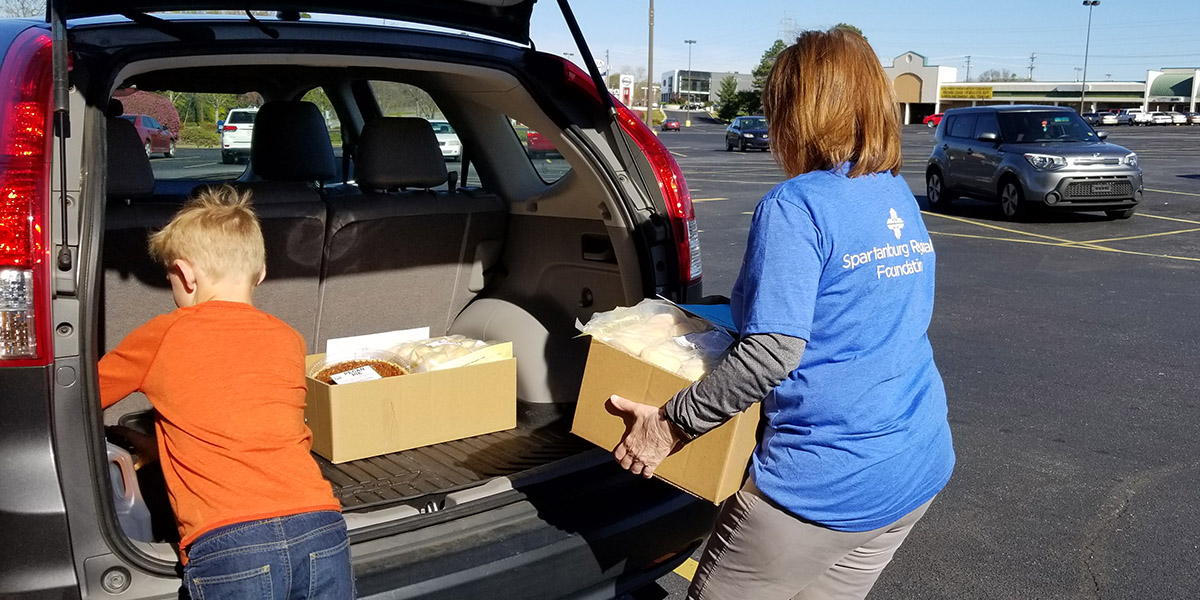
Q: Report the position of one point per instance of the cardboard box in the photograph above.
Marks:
(711, 466)
(370, 418)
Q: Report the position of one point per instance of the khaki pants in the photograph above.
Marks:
(760, 551)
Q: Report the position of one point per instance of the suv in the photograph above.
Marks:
(236, 132)
(1026, 156)
(747, 132)
(379, 238)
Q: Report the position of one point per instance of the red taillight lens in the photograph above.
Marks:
(674, 190)
(26, 83)
(229, 128)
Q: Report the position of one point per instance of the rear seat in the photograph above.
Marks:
(401, 255)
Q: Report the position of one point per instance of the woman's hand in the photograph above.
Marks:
(649, 437)
(143, 447)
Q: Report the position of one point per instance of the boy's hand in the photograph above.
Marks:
(648, 439)
(143, 447)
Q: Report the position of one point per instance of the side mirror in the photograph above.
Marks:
(1102, 134)
(988, 137)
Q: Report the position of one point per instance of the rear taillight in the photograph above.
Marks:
(674, 190)
(229, 128)
(26, 83)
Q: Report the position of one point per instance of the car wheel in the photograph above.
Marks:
(148, 153)
(935, 191)
(1119, 214)
(930, 124)
(226, 158)
(741, 145)
(1012, 200)
(728, 145)
(170, 153)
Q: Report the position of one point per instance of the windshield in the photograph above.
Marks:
(240, 116)
(754, 123)
(1044, 126)
(441, 127)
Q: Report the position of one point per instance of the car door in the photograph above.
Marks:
(982, 158)
(731, 133)
(959, 129)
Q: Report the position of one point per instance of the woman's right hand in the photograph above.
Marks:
(649, 437)
(143, 447)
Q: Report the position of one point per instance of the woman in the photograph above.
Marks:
(833, 302)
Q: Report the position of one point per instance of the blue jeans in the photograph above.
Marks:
(305, 555)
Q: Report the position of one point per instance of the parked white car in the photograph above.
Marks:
(236, 134)
(447, 140)
(1160, 118)
(1108, 118)
(1178, 118)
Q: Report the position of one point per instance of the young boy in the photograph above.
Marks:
(227, 383)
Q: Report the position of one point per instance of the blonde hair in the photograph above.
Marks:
(216, 231)
(828, 102)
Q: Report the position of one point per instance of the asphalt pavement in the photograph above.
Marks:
(1069, 347)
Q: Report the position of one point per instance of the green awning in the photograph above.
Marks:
(1172, 84)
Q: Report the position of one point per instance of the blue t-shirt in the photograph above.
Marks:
(856, 437)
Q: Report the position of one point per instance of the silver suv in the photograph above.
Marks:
(1030, 156)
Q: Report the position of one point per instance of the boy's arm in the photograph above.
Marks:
(124, 368)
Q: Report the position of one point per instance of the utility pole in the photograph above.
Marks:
(1086, 45)
(1032, 57)
(650, 71)
(687, 119)
(968, 68)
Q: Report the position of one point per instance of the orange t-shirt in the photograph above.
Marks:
(227, 381)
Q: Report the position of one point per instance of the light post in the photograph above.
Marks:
(1086, 45)
(687, 120)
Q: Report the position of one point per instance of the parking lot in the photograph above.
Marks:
(1069, 347)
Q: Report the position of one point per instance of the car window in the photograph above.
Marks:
(986, 123)
(1044, 126)
(962, 126)
(754, 123)
(240, 117)
(442, 127)
(549, 164)
(332, 123)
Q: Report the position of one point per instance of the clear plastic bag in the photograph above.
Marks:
(660, 333)
(433, 353)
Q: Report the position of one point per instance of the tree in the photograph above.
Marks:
(850, 27)
(727, 95)
(998, 75)
(24, 8)
(764, 66)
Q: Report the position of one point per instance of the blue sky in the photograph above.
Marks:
(1128, 36)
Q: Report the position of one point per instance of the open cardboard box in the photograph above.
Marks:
(711, 466)
(369, 418)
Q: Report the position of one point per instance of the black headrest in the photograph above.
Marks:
(398, 152)
(129, 173)
(290, 143)
(115, 109)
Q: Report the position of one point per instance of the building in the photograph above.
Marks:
(699, 86)
(923, 89)
(918, 85)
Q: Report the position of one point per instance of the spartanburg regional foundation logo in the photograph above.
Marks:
(895, 223)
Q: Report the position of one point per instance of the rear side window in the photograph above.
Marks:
(544, 157)
(961, 126)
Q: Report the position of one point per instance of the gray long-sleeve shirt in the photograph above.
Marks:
(755, 365)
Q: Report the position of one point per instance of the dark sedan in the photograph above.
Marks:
(747, 132)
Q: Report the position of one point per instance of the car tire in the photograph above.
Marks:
(1012, 200)
(148, 152)
(1120, 214)
(226, 158)
(741, 145)
(170, 153)
(728, 145)
(930, 124)
(936, 194)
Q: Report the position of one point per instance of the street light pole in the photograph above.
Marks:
(650, 71)
(1086, 46)
(687, 120)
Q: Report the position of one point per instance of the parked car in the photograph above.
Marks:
(747, 132)
(1031, 156)
(538, 145)
(1159, 118)
(1193, 118)
(670, 125)
(932, 121)
(1108, 118)
(236, 134)
(154, 135)
(1133, 116)
(1091, 118)
(447, 140)
(503, 253)
(1177, 118)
